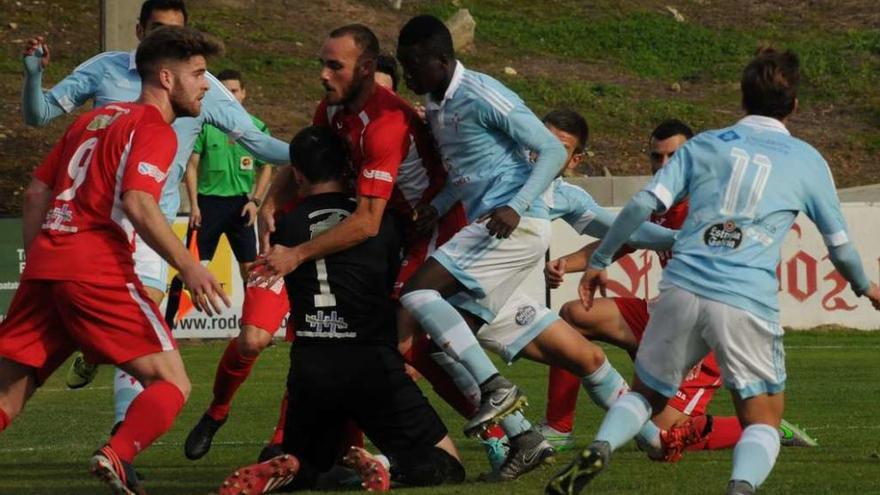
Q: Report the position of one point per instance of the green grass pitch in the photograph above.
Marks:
(833, 391)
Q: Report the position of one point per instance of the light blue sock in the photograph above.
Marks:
(515, 424)
(624, 420)
(650, 436)
(462, 378)
(605, 385)
(755, 454)
(449, 331)
(125, 389)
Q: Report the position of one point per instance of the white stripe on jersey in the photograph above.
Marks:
(494, 98)
(412, 176)
(836, 239)
(117, 214)
(219, 85)
(663, 194)
(155, 323)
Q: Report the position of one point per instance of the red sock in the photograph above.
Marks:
(419, 357)
(278, 434)
(563, 389)
(494, 431)
(4, 420)
(232, 371)
(149, 416)
(724, 434)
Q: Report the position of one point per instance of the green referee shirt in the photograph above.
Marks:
(226, 168)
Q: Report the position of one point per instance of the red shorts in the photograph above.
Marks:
(701, 382)
(422, 247)
(49, 319)
(265, 308)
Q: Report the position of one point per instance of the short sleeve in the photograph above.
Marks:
(81, 85)
(47, 172)
(823, 206)
(386, 143)
(153, 147)
(201, 139)
(670, 184)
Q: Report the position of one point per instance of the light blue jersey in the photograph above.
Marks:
(112, 76)
(746, 185)
(481, 128)
(577, 208)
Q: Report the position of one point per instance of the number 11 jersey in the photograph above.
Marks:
(86, 235)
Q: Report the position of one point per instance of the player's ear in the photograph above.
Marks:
(166, 78)
(139, 31)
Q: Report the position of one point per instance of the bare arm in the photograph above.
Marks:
(150, 223)
(37, 197)
(360, 226)
(282, 189)
(263, 180)
(192, 190)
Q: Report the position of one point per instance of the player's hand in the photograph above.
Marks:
(206, 291)
(35, 49)
(274, 265)
(554, 273)
(593, 279)
(425, 217)
(265, 226)
(250, 209)
(502, 221)
(195, 218)
(874, 295)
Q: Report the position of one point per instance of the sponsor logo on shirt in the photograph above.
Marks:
(723, 235)
(378, 175)
(326, 326)
(525, 315)
(247, 163)
(58, 217)
(151, 171)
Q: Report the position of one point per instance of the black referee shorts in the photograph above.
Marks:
(331, 384)
(222, 215)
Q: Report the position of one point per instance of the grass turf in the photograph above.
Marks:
(833, 390)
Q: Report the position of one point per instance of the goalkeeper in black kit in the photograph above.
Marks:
(344, 360)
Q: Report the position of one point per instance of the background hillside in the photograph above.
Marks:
(624, 64)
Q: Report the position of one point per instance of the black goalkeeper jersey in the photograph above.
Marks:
(345, 297)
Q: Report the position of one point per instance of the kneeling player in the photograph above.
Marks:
(344, 362)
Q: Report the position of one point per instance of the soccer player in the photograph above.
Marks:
(621, 321)
(225, 190)
(99, 185)
(396, 168)
(481, 128)
(344, 361)
(113, 77)
(746, 184)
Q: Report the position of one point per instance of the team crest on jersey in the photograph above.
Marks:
(378, 175)
(151, 171)
(525, 315)
(333, 217)
(728, 136)
(723, 235)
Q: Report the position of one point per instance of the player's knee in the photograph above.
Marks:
(184, 386)
(573, 313)
(428, 467)
(252, 341)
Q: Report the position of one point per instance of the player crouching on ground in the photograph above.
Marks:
(344, 360)
(99, 185)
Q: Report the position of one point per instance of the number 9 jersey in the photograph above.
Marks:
(746, 184)
(106, 152)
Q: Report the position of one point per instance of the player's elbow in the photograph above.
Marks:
(133, 206)
(36, 195)
(34, 119)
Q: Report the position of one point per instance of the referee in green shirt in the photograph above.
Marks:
(220, 181)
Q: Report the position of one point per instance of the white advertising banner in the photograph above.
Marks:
(811, 292)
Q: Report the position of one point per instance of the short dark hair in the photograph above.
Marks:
(149, 6)
(769, 83)
(570, 122)
(173, 43)
(387, 64)
(428, 33)
(669, 128)
(230, 75)
(363, 37)
(320, 155)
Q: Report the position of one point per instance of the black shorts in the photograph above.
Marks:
(222, 215)
(331, 384)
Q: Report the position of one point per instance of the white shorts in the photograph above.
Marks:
(684, 327)
(492, 269)
(149, 266)
(519, 322)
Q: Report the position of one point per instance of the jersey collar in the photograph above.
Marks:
(767, 123)
(132, 60)
(454, 83)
